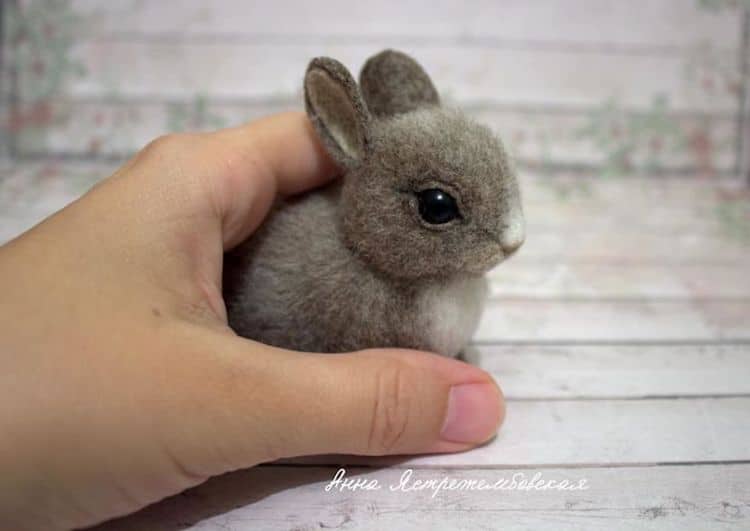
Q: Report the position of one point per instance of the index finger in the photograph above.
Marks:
(277, 155)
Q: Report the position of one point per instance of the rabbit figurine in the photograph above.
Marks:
(394, 253)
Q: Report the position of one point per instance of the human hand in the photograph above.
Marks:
(121, 382)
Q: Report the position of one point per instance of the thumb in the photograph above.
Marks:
(374, 402)
(381, 402)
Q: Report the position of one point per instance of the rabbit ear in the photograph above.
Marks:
(394, 83)
(337, 110)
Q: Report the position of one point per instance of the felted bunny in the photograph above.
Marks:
(394, 253)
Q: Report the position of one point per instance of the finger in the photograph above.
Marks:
(225, 181)
(272, 403)
(289, 150)
(278, 155)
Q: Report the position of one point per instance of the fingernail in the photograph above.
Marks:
(473, 413)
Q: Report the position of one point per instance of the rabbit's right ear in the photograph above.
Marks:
(337, 110)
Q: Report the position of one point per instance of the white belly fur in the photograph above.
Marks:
(452, 312)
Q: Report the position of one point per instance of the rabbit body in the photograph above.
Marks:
(298, 286)
(394, 253)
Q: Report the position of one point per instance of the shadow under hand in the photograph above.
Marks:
(222, 494)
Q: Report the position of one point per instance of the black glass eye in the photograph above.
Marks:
(436, 206)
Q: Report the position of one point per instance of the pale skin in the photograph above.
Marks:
(121, 382)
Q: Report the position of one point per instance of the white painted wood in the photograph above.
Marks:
(120, 127)
(237, 69)
(560, 234)
(543, 251)
(626, 245)
(575, 280)
(600, 432)
(28, 193)
(563, 59)
(637, 498)
(641, 23)
(546, 135)
(662, 202)
(555, 320)
(651, 197)
(628, 263)
(31, 192)
(627, 371)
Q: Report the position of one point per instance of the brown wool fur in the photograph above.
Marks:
(353, 265)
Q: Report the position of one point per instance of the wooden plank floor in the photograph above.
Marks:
(621, 337)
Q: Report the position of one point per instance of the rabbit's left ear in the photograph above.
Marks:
(394, 83)
(337, 110)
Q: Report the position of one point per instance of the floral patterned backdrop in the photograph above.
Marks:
(576, 84)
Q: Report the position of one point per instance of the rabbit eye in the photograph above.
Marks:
(437, 206)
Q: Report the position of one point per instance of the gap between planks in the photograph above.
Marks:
(270, 70)
(331, 464)
(600, 432)
(532, 320)
(616, 372)
(676, 497)
(668, 23)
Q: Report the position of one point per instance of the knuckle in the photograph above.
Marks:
(167, 146)
(392, 409)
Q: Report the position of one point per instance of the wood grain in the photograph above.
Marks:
(182, 69)
(569, 279)
(621, 331)
(641, 23)
(551, 433)
(637, 498)
(556, 320)
(539, 71)
(623, 371)
(620, 336)
(116, 125)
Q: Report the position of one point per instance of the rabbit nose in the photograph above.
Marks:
(512, 236)
(511, 246)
